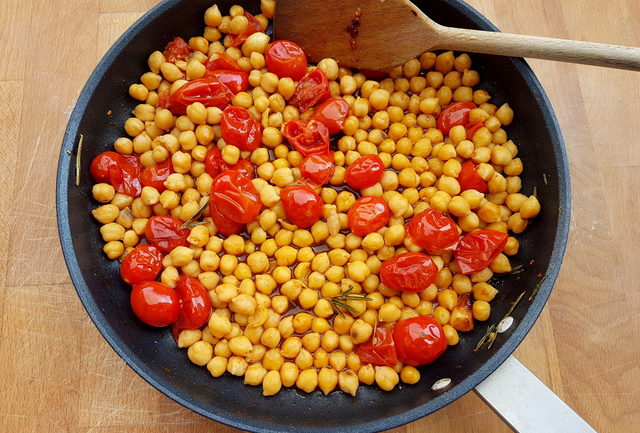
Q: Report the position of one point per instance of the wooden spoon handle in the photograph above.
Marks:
(562, 50)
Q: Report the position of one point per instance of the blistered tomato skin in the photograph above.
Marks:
(366, 171)
(307, 136)
(477, 250)
(164, 233)
(286, 59)
(317, 168)
(221, 62)
(245, 167)
(121, 171)
(235, 81)
(408, 272)
(195, 304)
(208, 91)
(253, 27)
(99, 168)
(432, 230)
(312, 88)
(332, 113)
(213, 162)
(470, 179)
(368, 214)
(453, 115)
(142, 264)
(235, 196)
(224, 225)
(382, 352)
(155, 304)
(419, 340)
(177, 49)
(156, 175)
(302, 205)
(240, 129)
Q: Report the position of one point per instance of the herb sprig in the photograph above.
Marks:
(190, 222)
(339, 302)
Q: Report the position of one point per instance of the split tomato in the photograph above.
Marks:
(156, 175)
(195, 304)
(419, 340)
(470, 179)
(382, 352)
(121, 172)
(213, 162)
(453, 115)
(302, 205)
(164, 233)
(224, 225)
(478, 249)
(312, 88)
(221, 62)
(245, 167)
(235, 197)
(332, 113)
(368, 214)
(240, 129)
(286, 59)
(307, 136)
(177, 49)
(142, 264)
(235, 81)
(432, 230)
(365, 171)
(154, 303)
(208, 90)
(408, 272)
(317, 168)
(253, 27)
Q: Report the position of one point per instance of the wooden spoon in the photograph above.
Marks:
(383, 34)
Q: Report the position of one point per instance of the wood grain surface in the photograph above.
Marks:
(58, 374)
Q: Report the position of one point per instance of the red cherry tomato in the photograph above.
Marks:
(317, 168)
(195, 304)
(470, 179)
(312, 88)
(134, 161)
(177, 49)
(245, 167)
(235, 197)
(432, 230)
(221, 62)
(240, 128)
(332, 113)
(253, 27)
(419, 340)
(307, 136)
(286, 59)
(122, 173)
(478, 249)
(208, 91)
(366, 171)
(383, 352)
(164, 233)
(154, 303)
(302, 205)
(142, 264)
(472, 128)
(453, 115)
(156, 175)
(225, 226)
(408, 272)
(236, 81)
(368, 215)
(213, 162)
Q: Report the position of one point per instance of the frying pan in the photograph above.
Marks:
(99, 114)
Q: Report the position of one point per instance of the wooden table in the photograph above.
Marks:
(58, 374)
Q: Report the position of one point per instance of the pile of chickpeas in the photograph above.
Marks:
(272, 321)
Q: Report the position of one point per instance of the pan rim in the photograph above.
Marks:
(65, 164)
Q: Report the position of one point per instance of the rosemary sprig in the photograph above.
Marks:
(516, 270)
(197, 223)
(340, 301)
(535, 191)
(534, 292)
(78, 162)
(490, 335)
(484, 338)
(544, 178)
(195, 216)
(513, 305)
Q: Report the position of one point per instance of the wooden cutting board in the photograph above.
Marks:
(57, 373)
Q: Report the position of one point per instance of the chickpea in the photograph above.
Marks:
(200, 353)
(386, 377)
(307, 380)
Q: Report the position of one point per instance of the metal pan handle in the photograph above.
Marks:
(526, 404)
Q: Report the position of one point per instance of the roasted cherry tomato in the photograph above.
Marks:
(317, 168)
(142, 264)
(368, 214)
(478, 249)
(419, 340)
(154, 303)
(245, 167)
(195, 304)
(472, 128)
(286, 59)
(253, 27)
(213, 162)
(240, 128)
(408, 272)
(236, 81)
(432, 230)
(235, 196)
(302, 205)
(382, 352)
(453, 115)
(307, 136)
(221, 62)
(470, 179)
(332, 113)
(122, 173)
(156, 175)
(312, 88)
(164, 233)
(365, 171)
(177, 49)
(224, 225)
(208, 91)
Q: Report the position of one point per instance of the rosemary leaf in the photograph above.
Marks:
(535, 191)
(78, 162)
(199, 223)
(513, 305)
(489, 330)
(196, 215)
(544, 178)
(492, 338)
(536, 288)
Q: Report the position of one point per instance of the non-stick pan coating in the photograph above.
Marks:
(152, 353)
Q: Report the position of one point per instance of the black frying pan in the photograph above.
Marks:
(152, 353)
